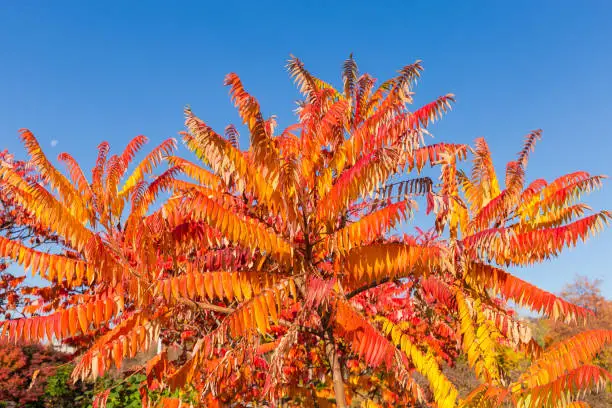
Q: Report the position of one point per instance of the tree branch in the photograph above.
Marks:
(336, 370)
(301, 328)
(366, 287)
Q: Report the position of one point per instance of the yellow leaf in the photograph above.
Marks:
(260, 317)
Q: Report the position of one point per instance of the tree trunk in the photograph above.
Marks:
(336, 370)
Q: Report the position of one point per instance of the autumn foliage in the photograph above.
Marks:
(278, 273)
(23, 370)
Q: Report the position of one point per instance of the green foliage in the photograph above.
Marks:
(61, 392)
(57, 388)
(124, 393)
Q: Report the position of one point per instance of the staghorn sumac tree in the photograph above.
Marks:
(276, 274)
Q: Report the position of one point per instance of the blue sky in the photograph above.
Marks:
(78, 73)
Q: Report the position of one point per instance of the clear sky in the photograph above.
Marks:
(77, 73)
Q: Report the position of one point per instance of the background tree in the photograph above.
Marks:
(24, 370)
(586, 293)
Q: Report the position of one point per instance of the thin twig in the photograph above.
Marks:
(366, 287)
